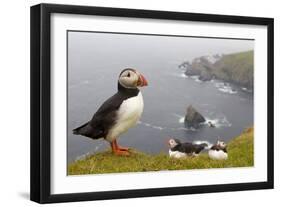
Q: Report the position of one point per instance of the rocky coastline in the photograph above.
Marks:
(236, 68)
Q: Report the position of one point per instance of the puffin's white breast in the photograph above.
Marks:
(217, 155)
(177, 154)
(128, 115)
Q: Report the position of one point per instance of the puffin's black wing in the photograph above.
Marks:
(186, 148)
(190, 147)
(215, 147)
(199, 147)
(103, 119)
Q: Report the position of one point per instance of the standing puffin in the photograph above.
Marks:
(218, 151)
(118, 113)
(182, 150)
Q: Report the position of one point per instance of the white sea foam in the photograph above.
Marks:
(225, 88)
(158, 127)
(168, 128)
(193, 77)
(85, 82)
(151, 125)
(181, 120)
(182, 75)
(196, 78)
(84, 156)
(222, 86)
(217, 122)
(246, 90)
(183, 129)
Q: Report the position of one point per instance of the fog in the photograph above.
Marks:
(134, 50)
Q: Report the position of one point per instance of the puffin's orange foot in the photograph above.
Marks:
(117, 150)
(126, 149)
(121, 152)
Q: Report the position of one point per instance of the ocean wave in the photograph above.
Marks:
(218, 122)
(221, 86)
(196, 78)
(160, 128)
(182, 75)
(180, 117)
(177, 74)
(92, 152)
(246, 90)
(183, 129)
(84, 156)
(151, 125)
(181, 120)
(85, 82)
(225, 88)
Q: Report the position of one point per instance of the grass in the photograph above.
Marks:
(237, 67)
(240, 154)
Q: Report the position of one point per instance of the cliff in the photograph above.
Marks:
(237, 68)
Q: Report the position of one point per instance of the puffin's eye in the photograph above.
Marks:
(129, 74)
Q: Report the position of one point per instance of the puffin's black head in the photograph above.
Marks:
(131, 78)
(221, 144)
(173, 142)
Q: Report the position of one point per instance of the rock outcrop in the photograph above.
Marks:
(202, 67)
(193, 118)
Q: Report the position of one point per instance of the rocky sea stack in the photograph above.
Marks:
(193, 118)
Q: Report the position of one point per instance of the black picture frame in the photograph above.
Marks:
(41, 99)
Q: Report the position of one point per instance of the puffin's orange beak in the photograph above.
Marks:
(142, 81)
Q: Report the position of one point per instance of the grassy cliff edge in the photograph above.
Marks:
(240, 154)
(237, 68)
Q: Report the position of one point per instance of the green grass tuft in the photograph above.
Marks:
(240, 154)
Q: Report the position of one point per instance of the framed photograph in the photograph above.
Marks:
(132, 103)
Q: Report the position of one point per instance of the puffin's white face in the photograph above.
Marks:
(221, 144)
(130, 78)
(172, 143)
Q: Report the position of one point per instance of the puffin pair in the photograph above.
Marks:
(183, 150)
(118, 113)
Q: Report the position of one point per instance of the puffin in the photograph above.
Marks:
(182, 150)
(218, 151)
(118, 113)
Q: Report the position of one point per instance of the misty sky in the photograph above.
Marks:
(176, 49)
